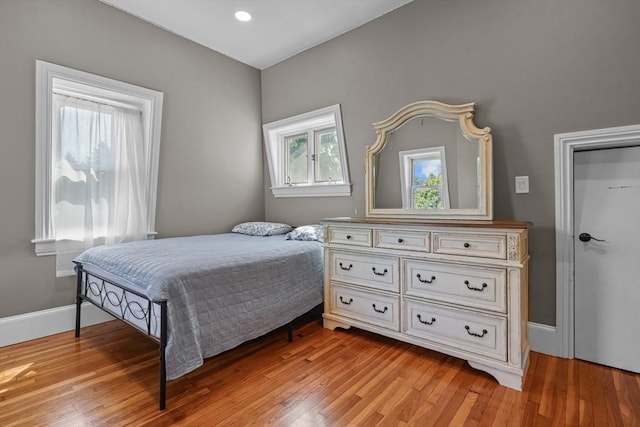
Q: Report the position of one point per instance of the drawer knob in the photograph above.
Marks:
(473, 288)
(426, 322)
(425, 280)
(384, 310)
(400, 240)
(342, 267)
(378, 273)
(474, 334)
(348, 236)
(466, 244)
(346, 302)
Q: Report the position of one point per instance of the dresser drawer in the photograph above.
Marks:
(476, 245)
(367, 270)
(349, 236)
(478, 287)
(399, 239)
(479, 333)
(381, 310)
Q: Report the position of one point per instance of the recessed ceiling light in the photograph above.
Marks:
(243, 16)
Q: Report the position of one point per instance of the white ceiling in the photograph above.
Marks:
(279, 28)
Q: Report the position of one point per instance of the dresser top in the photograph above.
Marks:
(433, 222)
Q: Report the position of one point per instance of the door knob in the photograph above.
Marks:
(585, 237)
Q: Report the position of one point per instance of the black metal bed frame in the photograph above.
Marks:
(91, 287)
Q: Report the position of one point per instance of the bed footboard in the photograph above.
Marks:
(148, 317)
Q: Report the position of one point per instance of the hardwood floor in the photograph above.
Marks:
(108, 377)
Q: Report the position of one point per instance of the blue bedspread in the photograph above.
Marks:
(222, 289)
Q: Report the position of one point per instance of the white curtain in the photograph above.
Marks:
(99, 177)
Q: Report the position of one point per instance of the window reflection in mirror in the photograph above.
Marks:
(423, 178)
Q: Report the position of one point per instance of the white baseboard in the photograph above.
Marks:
(544, 339)
(29, 326)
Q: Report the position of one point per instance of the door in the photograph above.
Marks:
(607, 257)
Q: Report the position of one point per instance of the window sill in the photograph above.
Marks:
(47, 247)
(330, 190)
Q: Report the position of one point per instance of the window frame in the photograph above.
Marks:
(50, 77)
(407, 158)
(275, 134)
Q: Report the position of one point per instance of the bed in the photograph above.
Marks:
(201, 295)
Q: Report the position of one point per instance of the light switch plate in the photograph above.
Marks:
(522, 184)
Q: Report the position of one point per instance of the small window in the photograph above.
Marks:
(306, 155)
(424, 179)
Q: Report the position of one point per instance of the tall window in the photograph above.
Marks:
(96, 155)
(306, 155)
(424, 179)
(97, 179)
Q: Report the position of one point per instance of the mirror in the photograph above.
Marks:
(430, 161)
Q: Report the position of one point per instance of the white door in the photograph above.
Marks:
(607, 273)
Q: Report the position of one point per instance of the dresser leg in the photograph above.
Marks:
(507, 379)
(332, 324)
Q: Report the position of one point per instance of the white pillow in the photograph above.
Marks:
(307, 232)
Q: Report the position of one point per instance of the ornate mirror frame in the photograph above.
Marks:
(464, 114)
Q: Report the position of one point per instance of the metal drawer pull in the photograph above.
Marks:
(426, 322)
(348, 236)
(379, 274)
(471, 288)
(346, 302)
(466, 244)
(484, 332)
(384, 310)
(425, 280)
(346, 268)
(400, 240)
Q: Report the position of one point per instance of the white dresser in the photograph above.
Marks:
(457, 287)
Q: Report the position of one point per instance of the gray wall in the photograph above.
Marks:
(211, 173)
(534, 68)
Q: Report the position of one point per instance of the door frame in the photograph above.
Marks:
(565, 145)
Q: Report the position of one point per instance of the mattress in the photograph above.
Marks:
(221, 289)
